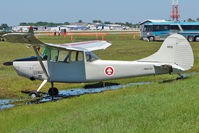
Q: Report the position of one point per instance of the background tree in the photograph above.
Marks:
(107, 22)
(97, 21)
(4, 26)
(66, 23)
(190, 20)
(80, 21)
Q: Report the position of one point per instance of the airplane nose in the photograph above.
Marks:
(8, 63)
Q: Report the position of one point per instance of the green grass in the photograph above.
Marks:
(168, 107)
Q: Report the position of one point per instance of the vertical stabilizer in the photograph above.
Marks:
(174, 50)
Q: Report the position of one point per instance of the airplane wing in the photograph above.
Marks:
(29, 39)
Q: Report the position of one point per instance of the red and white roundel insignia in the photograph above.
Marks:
(109, 70)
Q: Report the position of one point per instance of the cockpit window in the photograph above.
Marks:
(54, 55)
(62, 55)
(44, 54)
(91, 57)
(76, 56)
(66, 56)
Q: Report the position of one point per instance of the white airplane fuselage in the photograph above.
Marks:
(83, 71)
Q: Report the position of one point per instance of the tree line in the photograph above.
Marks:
(192, 20)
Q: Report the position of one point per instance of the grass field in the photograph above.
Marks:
(166, 107)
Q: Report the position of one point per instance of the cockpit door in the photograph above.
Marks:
(66, 66)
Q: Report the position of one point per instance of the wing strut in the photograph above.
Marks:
(40, 61)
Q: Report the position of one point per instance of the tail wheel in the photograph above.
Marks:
(151, 38)
(190, 38)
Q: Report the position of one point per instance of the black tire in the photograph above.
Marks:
(190, 38)
(197, 39)
(53, 91)
(151, 38)
(34, 94)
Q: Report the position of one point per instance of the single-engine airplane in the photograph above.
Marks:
(75, 62)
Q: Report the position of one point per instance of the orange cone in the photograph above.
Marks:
(71, 38)
(134, 36)
(102, 37)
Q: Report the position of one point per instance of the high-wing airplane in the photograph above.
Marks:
(75, 62)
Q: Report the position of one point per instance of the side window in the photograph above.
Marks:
(76, 56)
(73, 56)
(144, 29)
(63, 55)
(54, 55)
(174, 27)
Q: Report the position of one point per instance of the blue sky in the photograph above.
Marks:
(15, 11)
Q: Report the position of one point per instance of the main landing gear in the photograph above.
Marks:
(52, 91)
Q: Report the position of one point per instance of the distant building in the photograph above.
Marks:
(26, 28)
(73, 27)
(60, 28)
(20, 28)
(110, 27)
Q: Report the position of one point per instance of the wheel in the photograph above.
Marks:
(197, 39)
(190, 38)
(151, 38)
(53, 91)
(34, 94)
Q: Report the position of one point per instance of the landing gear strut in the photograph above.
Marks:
(53, 91)
(35, 93)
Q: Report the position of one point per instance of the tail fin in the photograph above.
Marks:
(174, 50)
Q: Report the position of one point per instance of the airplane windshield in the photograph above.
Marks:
(44, 54)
